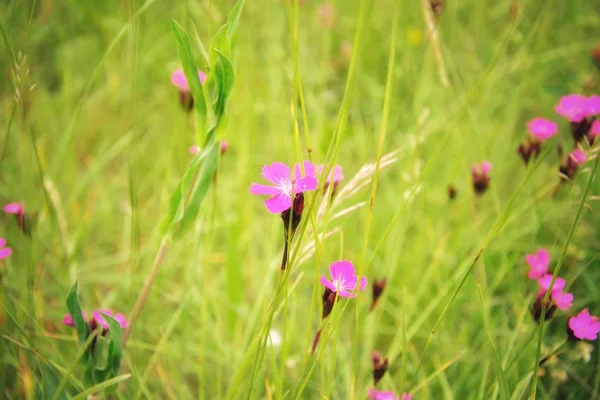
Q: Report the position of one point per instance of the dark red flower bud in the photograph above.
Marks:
(186, 100)
(379, 367)
(329, 298)
(378, 287)
(538, 306)
(452, 192)
(529, 150)
(296, 217)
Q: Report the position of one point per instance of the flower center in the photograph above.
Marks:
(285, 186)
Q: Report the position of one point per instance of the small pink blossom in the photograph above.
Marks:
(14, 208)
(483, 169)
(592, 106)
(336, 174)
(344, 279)
(595, 129)
(584, 326)
(5, 251)
(375, 394)
(538, 263)
(68, 319)
(578, 156)
(285, 184)
(98, 318)
(194, 150)
(542, 129)
(223, 146)
(573, 107)
(178, 79)
(562, 300)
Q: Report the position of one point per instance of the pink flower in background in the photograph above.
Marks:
(343, 279)
(14, 208)
(578, 156)
(595, 129)
(538, 263)
(542, 129)
(68, 319)
(223, 146)
(562, 300)
(406, 396)
(375, 394)
(285, 183)
(98, 318)
(584, 326)
(481, 177)
(592, 106)
(178, 79)
(573, 107)
(5, 251)
(336, 174)
(194, 150)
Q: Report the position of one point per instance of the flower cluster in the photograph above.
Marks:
(580, 327)
(558, 298)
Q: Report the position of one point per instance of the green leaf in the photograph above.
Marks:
(233, 21)
(205, 177)
(224, 77)
(101, 386)
(191, 71)
(116, 337)
(176, 206)
(81, 326)
(221, 42)
(101, 352)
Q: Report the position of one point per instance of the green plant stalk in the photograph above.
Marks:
(555, 275)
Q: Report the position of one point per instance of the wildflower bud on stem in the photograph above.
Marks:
(315, 341)
(295, 213)
(380, 366)
(378, 288)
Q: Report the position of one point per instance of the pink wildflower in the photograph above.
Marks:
(97, 319)
(406, 396)
(481, 178)
(538, 263)
(380, 366)
(542, 129)
(562, 300)
(592, 106)
(14, 208)
(178, 79)
(344, 279)
(223, 146)
(584, 326)
(595, 129)
(573, 107)
(285, 183)
(194, 150)
(375, 394)
(5, 251)
(578, 156)
(68, 319)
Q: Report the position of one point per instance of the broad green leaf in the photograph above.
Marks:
(224, 77)
(233, 21)
(101, 352)
(205, 177)
(81, 326)
(221, 42)
(191, 71)
(115, 351)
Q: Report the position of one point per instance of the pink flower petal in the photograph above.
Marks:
(327, 283)
(68, 320)
(572, 107)
(276, 172)
(178, 79)
(375, 394)
(194, 150)
(309, 170)
(595, 129)
(546, 280)
(542, 129)
(2, 242)
(578, 156)
(363, 283)
(305, 184)
(5, 253)
(342, 269)
(278, 203)
(257, 188)
(592, 106)
(563, 300)
(584, 326)
(14, 208)
(486, 167)
(121, 320)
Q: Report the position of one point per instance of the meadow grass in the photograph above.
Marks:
(100, 142)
